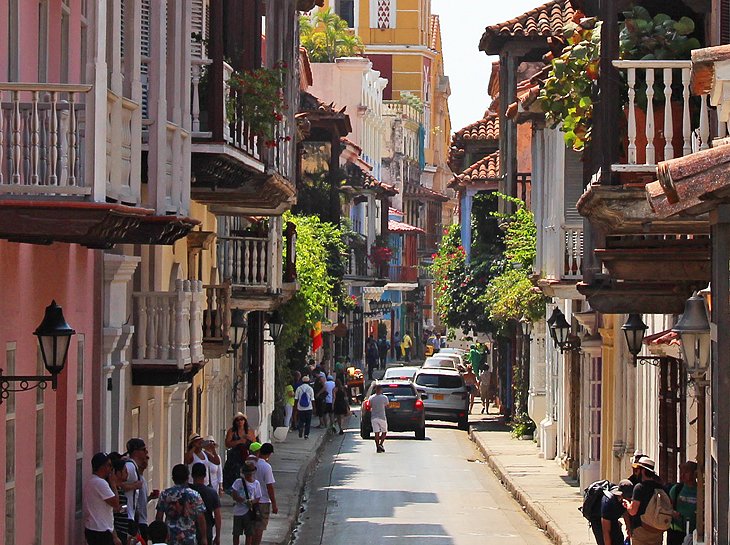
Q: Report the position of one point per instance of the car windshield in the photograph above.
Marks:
(435, 362)
(439, 381)
(399, 373)
(392, 390)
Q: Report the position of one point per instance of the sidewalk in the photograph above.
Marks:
(292, 461)
(540, 486)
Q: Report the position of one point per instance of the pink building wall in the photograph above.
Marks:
(30, 277)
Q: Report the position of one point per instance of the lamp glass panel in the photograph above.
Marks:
(689, 350)
(705, 346)
(54, 350)
(275, 330)
(561, 334)
(634, 338)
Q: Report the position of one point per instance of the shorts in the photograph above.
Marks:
(327, 408)
(243, 525)
(380, 425)
(263, 522)
(94, 537)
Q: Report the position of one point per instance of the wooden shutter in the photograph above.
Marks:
(572, 186)
(199, 27)
(724, 22)
(145, 51)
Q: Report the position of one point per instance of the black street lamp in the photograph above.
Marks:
(550, 321)
(560, 330)
(526, 326)
(276, 325)
(634, 330)
(238, 329)
(694, 333)
(54, 338)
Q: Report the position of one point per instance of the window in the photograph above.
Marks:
(42, 41)
(393, 390)
(13, 50)
(39, 509)
(596, 369)
(65, 17)
(440, 381)
(346, 10)
(10, 516)
(80, 361)
(10, 450)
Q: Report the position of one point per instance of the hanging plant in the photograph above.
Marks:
(566, 95)
(257, 99)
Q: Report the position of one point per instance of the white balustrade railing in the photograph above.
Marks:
(245, 261)
(659, 128)
(169, 325)
(217, 315)
(236, 131)
(572, 239)
(42, 139)
(123, 180)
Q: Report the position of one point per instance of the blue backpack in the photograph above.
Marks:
(304, 399)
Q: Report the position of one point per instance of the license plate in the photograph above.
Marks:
(438, 396)
(394, 405)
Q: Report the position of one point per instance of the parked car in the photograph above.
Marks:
(400, 373)
(444, 395)
(440, 362)
(405, 412)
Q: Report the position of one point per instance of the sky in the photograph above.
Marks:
(462, 26)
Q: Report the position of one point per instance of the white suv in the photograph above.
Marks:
(444, 395)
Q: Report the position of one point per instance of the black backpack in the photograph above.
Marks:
(592, 497)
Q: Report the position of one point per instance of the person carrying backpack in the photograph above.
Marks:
(684, 499)
(650, 507)
(304, 397)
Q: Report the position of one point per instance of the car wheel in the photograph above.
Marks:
(421, 433)
(464, 423)
(365, 434)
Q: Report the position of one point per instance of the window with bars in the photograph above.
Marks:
(80, 363)
(594, 408)
(13, 40)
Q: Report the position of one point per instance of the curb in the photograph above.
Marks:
(302, 477)
(532, 508)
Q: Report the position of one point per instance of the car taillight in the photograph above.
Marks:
(419, 404)
(366, 405)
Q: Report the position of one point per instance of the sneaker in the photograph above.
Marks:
(382, 448)
(306, 436)
(342, 432)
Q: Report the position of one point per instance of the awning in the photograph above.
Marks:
(664, 343)
(401, 286)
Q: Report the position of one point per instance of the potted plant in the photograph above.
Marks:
(257, 100)
(380, 255)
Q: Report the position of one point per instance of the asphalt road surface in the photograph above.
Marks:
(432, 492)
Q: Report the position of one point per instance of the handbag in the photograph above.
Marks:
(254, 511)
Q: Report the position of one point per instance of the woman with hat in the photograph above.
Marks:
(195, 454)
(238, 439)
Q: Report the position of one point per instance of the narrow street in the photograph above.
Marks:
(436, 491)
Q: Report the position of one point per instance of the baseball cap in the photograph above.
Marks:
(254, 447)
(248, 467)
(624, 488)
(305, 378)
(98, 460)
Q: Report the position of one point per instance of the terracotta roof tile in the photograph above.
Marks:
(371, 182)
(541, 22)
(434, 31)
(400, 227)
(484, 129)
(486, 168)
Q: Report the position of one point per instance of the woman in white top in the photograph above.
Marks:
(195, 454)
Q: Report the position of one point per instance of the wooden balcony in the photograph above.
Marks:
(562, 262)
(403, 273)
(51, 189)
(216, 319)
(168, 338)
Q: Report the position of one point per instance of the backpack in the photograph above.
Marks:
(304, 399)
(592, 496)
(658, 512)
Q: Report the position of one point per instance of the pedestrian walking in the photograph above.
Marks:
(267, 505)
(378, 419)
(470, 381)
(288, 405)
(383, 347)
(645, 523)
(215, 469)
(246, 492)
(341, 407)
(211, 501)
(684, 500)
(238, 438)
(304, 396)
(183, 510)
(297, 382)
(484, 378)
(407, 345)
(371, 356)
(319, 396)
(135, 485)
(196, 454)
(99, 503)
(329, 401)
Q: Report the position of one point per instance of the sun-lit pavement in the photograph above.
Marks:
(436, 491)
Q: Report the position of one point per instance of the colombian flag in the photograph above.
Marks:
(316, 334)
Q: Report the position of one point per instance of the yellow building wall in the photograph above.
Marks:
(608, 394)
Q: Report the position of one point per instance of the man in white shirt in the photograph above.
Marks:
(265, 477)
(100, 502)
(378, 420)
(304, 397)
